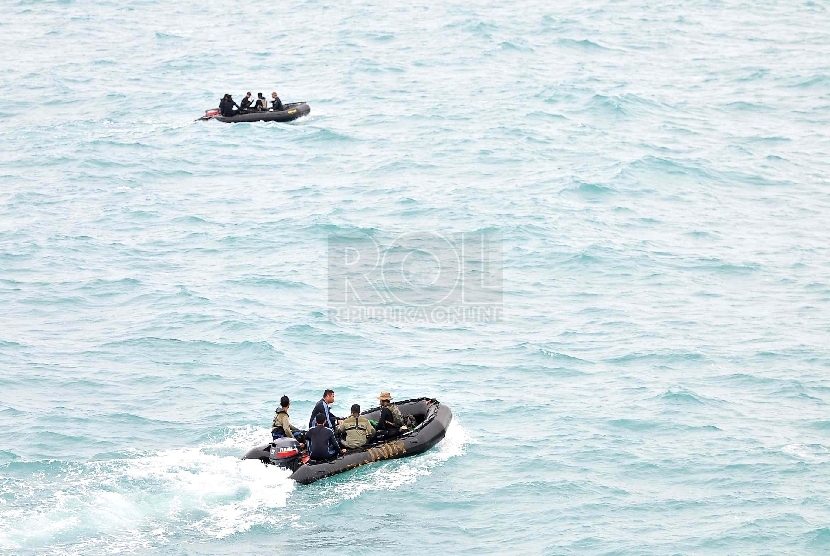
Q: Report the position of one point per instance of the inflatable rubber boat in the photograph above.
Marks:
(432, 419)
(293, 110)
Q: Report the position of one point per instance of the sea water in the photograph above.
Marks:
(657, 382)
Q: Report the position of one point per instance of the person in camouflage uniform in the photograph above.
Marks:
(390, 416)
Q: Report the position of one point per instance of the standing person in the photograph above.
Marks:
(322, 445)
(276, 103)
(226, 106)
(357, 429)
(246, 102)
(324, 407)
(261, 103)
(281, 427)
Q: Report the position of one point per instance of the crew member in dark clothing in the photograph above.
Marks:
(323, 406)
(322, 445)
(226, 106)
(276, 103)
(390, 422)
(261, 103)
(246, 102)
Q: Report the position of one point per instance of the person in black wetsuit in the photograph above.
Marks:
(226, 106)
(261, 103)
(322, 445)
(246, 102)
(276, 103)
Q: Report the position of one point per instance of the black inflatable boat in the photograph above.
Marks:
(292, 111)
(432, 417)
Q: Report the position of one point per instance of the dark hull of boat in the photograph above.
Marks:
(291, 113)
(431, 431)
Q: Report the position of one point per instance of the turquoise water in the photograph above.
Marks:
(658, 383)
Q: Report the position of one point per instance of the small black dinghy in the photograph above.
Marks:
(432, 419)
(293, 110)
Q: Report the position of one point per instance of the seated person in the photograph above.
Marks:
(324, 407)
(390, 421)
(357, 429)
(226, 106)
(322, 445)
(281, 427)
(276, 103)
(261, 104)
(246, 102)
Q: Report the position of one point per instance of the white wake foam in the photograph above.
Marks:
(153, 499)
(142, 501)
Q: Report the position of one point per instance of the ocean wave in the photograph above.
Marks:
(582, 44)
(588, 190)
(684, 396)
(173, 345)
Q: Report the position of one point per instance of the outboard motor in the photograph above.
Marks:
(210, 114)
(285, 452)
